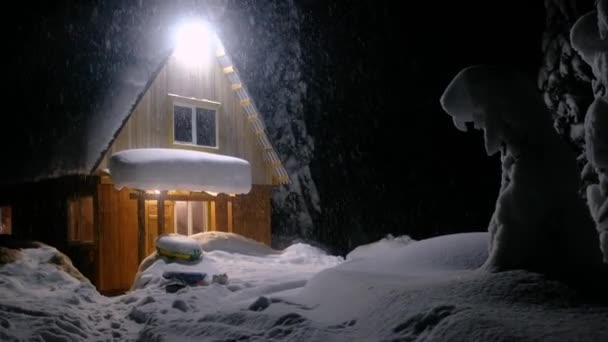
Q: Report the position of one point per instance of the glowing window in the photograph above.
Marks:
(6, 224)
(191, 217)
(80, 219)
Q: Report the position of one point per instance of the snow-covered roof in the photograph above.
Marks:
(174, 169)
(256, 122)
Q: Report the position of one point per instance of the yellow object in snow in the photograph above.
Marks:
(180, 247)
(195, 255)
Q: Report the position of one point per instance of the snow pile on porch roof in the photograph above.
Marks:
(172, 169)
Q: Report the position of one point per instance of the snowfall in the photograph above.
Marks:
(394, 289)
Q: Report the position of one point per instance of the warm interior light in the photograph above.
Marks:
(195, 43)
(212, 193)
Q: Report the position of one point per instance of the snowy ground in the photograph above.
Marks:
(394, 289)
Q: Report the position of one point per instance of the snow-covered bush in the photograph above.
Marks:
(539, 223)
(589, 38)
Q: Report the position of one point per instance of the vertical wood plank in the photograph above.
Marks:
(118, 239)
(160, 204)
(251, 214)
(221, 213)
(212, 221)
(141, 228)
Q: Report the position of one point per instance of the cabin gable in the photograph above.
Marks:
(151, 124)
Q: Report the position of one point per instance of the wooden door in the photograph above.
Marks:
(152, 223)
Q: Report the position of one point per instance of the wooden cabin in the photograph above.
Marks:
(107, 231)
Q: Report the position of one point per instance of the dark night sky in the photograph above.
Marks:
(388, 158)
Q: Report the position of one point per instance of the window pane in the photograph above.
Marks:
(182, 124)
(181, 217)
(205, 127)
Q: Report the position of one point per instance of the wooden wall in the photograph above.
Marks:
(251, 214)
(40, 213)
(150, 125)
(118, 262)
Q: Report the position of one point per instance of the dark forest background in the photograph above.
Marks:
(389, 159)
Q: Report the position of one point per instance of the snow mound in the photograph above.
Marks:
(246, 262)
(465, 251)
(37, 268)
(153, 275)
(303, 254)
(425, 291)
(422, 262)
(41, 292)
(429, 290)
(174, 169)
(379, 247)
(231, 243)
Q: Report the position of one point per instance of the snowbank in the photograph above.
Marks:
(174, 169)
(430, 291)
(425, 291)
(232, 243)
(246, 261)
(379, 247)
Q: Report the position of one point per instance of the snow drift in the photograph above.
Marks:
(425, 290)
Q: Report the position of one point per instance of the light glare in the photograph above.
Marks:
(195, 43)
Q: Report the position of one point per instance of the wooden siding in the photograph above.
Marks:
(151, 123)
(117, 239)
(39, 212)
(251, 214)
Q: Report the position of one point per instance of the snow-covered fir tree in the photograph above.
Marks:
(266, 49)
(590, 38)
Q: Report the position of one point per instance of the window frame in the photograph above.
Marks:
(194, 103)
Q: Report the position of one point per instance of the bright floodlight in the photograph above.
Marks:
(195, 43)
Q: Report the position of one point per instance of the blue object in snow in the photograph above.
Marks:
(188, 278)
